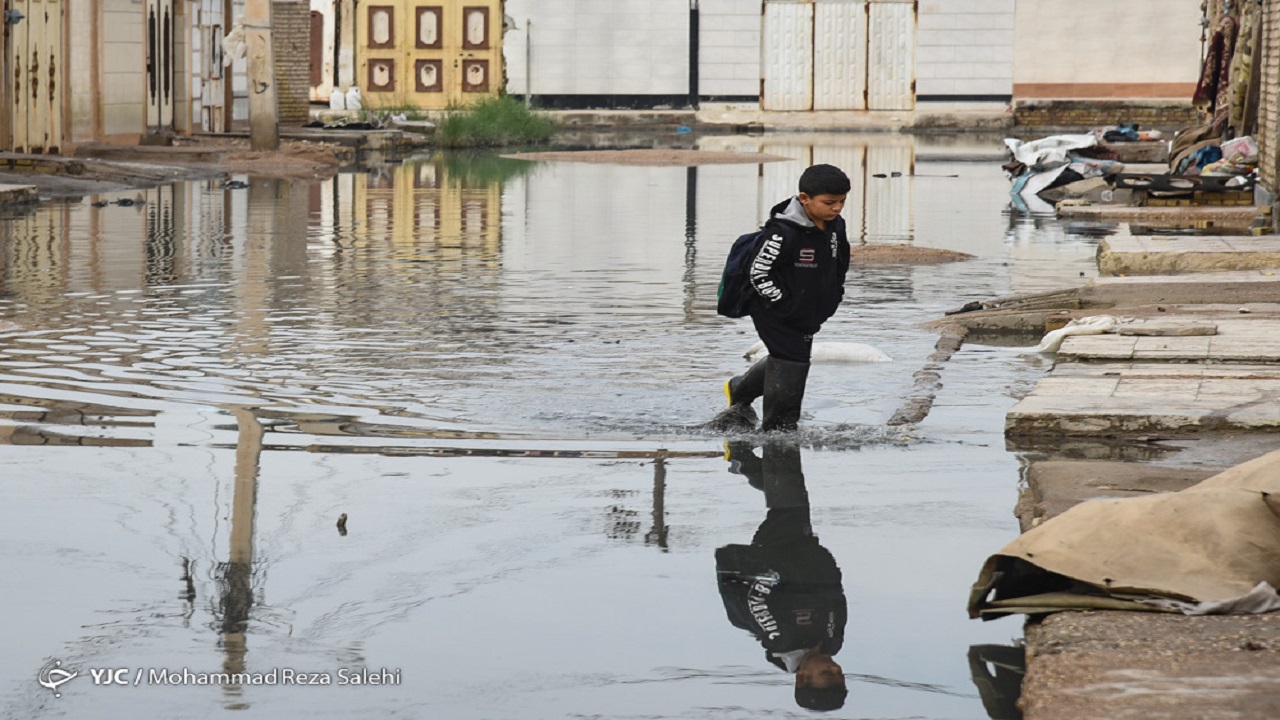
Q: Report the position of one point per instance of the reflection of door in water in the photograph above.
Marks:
(429, 54)
(158, 31)
(35, 76)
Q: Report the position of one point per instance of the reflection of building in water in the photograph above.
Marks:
(564, 220)
(423, 235)
(879, 206)
(426, 212)
(157, 236)
(235, 578)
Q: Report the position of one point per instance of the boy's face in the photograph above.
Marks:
(822, 209)
(819, 670)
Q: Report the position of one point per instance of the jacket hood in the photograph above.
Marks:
(793, 212)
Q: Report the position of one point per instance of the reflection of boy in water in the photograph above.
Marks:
(784, 587)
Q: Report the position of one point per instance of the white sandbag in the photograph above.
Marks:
(1093, 325)
(337, 100)
(834, 352)
(353, 98)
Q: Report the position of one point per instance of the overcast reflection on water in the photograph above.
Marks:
(491, 368)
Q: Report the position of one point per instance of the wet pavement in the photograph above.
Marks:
(491, 368)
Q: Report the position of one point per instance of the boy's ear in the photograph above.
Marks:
(804, 197)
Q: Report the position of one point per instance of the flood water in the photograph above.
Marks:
(491, 368)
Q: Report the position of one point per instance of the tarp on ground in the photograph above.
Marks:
(1049, 152)
(1215, 541)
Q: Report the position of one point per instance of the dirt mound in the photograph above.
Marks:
(294, 159)
(903, 255)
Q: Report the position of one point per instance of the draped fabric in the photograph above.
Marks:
(1213, 91)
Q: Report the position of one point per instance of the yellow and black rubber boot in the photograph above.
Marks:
(741, 391)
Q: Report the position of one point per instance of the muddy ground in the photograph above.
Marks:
(303, 159)
(90, 170)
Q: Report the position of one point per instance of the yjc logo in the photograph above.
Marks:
(52, 675)
(109, 676)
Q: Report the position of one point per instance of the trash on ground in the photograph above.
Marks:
(1093, 325)
(1060, 163)
(1213, 548)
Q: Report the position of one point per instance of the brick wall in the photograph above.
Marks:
(1269, 103)
(1150, 115)
(291, 41)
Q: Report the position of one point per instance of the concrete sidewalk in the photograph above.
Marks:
(1239, 216)
(1172, 397)
(742, 117)
(1155, 255)
(1117, 399)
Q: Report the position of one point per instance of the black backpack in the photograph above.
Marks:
(733, 299)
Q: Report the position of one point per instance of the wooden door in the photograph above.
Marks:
(429, 54)
(316, 45)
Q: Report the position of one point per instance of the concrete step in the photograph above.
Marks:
(163, 154)
(1108, 399)
(1239, 287)
(1213, 338)
(1171, 255)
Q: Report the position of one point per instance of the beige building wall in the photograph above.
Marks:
(122, 69)
(1106, 49)
(82, 97)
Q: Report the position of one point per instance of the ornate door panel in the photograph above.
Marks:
(429, 54)
(35, 76)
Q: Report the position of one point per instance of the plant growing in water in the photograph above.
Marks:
(493, 122)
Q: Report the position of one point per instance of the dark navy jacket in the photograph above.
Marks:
(798, 272)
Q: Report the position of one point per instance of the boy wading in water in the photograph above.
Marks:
(797, 278)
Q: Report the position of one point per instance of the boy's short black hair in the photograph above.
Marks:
(824, 180)
(821, 699)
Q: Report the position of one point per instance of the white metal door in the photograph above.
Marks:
(158, 34)
(35, 76)
(208, 97)
(892, 55)
(840, 55)
(236, 77)
(788, 56)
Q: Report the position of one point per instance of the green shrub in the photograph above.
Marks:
(493, 122)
